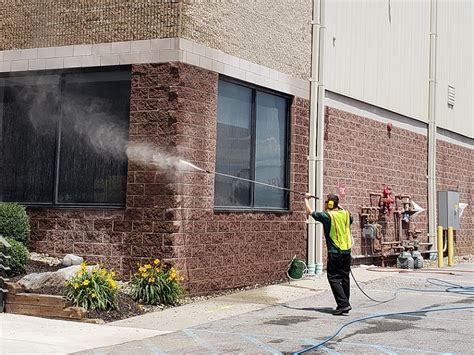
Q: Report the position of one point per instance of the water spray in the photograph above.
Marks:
(186, 163)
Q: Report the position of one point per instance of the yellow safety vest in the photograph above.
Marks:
(340, 232)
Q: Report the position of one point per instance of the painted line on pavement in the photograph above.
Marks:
(377, 346)
(261, 345)
(199, 340)
(434, 293)
(327, 350)
(152, 346)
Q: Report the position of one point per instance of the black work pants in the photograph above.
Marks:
(338, 269)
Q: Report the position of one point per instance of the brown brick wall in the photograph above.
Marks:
(360, 155)
(170, 215)
(33, 24)
(455, 167)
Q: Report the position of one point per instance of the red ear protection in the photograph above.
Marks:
(330, 204)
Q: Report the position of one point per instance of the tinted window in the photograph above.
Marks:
(28, 127)
(234, 111)
(270, 152)
(62, 138)
(252, 143)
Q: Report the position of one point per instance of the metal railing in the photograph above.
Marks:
(4, 257)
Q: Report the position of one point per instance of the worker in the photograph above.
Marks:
(336, 224)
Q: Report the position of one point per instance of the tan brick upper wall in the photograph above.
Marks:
(273, 33)
(48, 23)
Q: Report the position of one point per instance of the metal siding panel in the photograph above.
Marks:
(370, 73)
(387, 64)
(377, 61)
(455, 66)
(357, 54)
(329, 50)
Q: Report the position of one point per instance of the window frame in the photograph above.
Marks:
(253, 123)
(57, 143)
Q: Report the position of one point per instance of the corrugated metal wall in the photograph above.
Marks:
(378, 52)
(455, 65)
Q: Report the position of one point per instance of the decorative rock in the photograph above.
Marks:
(71, 259)
(45, 258)
(35, 281)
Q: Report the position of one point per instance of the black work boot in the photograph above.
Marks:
(342, 310)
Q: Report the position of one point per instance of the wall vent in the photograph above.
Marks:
(451, 96)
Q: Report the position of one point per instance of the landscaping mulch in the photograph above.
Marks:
(126, 308)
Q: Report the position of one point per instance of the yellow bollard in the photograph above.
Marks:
(450, 246)
(440, 246)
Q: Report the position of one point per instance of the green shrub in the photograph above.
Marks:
(92, 289)
(18, 257)
(155, 283)
(14, 222)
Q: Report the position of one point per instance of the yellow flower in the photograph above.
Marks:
(157, 269)
(151, 280)
(93, 295)
(76, 285)
(86, 282)
(141, 269)
(147, 266)
(156, 262)
(83, 265)
(80, 273)
(145, 274)
(112, 284)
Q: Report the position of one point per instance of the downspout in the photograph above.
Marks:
(432, 128)
(316, 137)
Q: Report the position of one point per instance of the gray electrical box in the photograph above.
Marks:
(448, 209)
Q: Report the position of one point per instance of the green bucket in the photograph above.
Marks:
(296, 269)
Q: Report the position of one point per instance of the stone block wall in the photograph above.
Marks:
(455, 167)
(169, 214)
(362, 156)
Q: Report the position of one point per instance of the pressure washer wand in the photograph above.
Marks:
(258, 182)
(244, 179)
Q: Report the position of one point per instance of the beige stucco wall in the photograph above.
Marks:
(272, 33)
(48, 23)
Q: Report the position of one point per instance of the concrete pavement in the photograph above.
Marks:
(174, 319)
(279, 318)
(32, 335)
